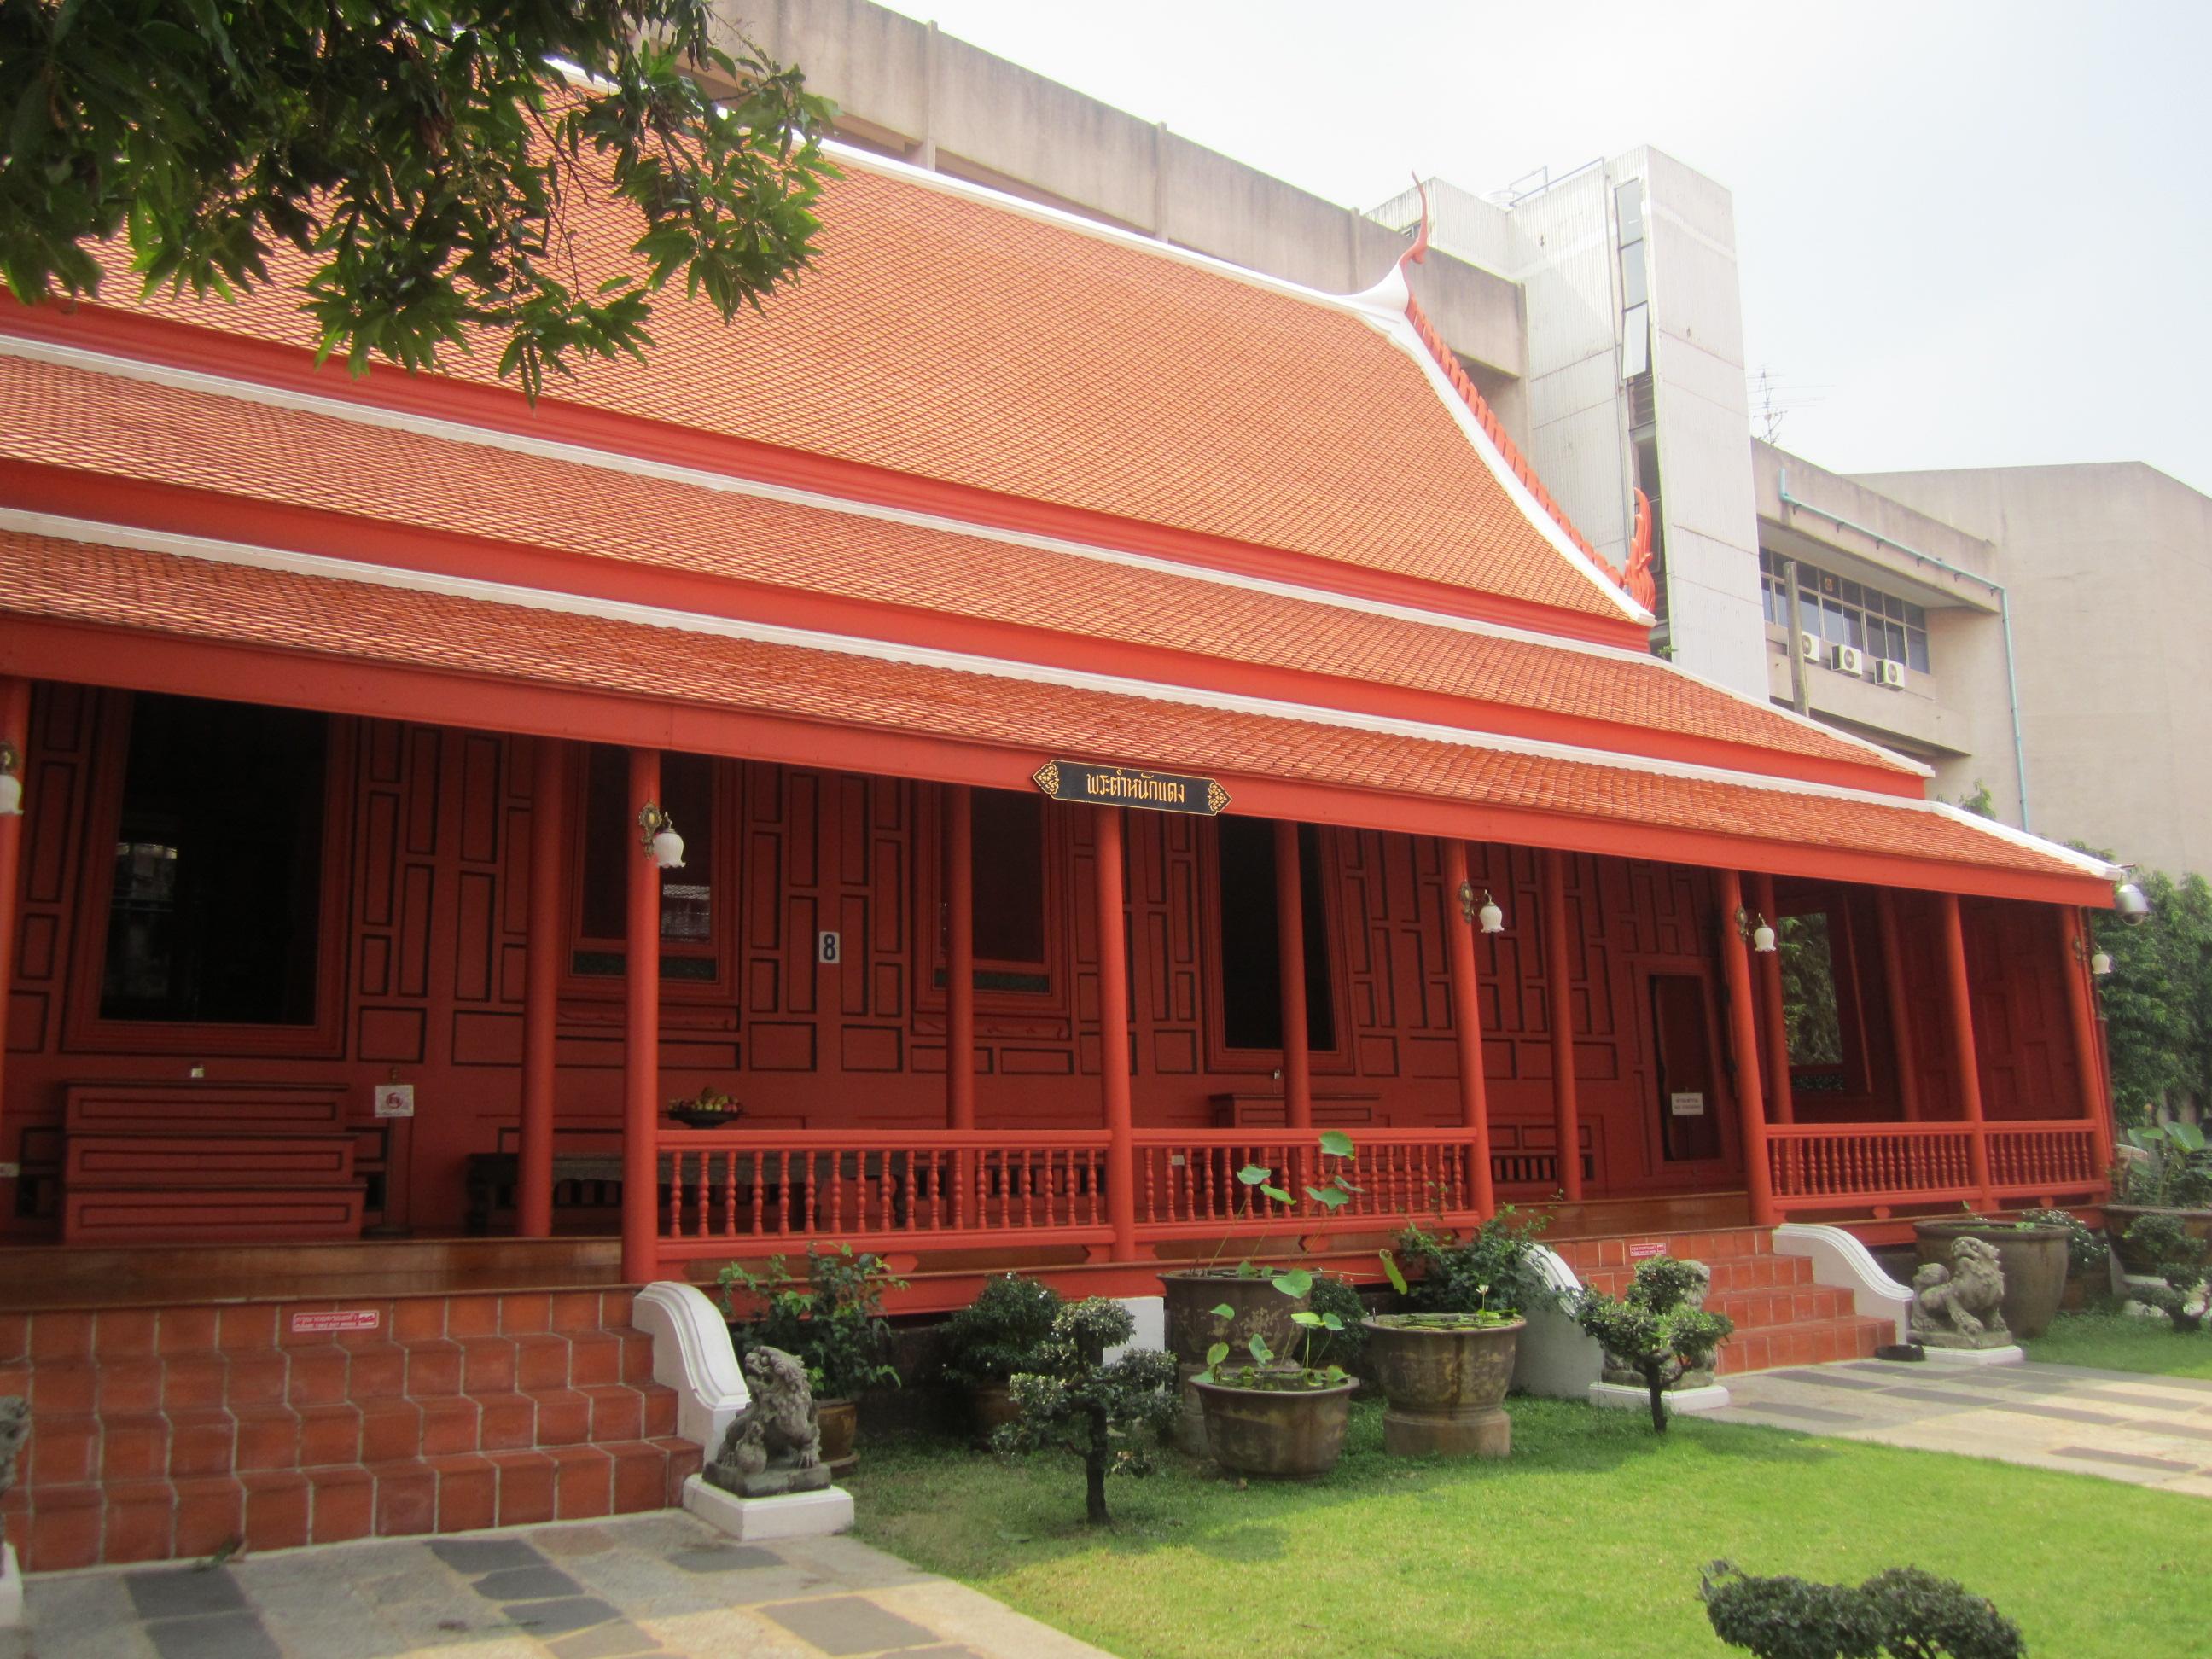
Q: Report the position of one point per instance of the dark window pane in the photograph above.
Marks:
(1008, 859)
(1851, 593)
(1251, 961)
(214, 912)
(612, 840)
(1916, 649)
(1810, 1015)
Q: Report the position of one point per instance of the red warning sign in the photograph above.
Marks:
(1646, 1249)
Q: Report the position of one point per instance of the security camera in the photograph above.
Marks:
(2128, 899)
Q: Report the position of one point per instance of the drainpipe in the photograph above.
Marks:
(2004, 614)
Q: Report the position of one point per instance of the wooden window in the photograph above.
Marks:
(1007, 847)
(1251, 957)
(1821, 1007)
(689, 905)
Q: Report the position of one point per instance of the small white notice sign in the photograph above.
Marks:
(827, 948)
(395, 1100)
(1691, 1103)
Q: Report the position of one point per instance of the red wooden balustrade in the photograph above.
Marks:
(1835, 1166)
(1187, 1183)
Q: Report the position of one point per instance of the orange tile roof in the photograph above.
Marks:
(101, 424)
(53, 579)
(960, 340)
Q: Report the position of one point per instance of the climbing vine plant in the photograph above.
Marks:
(2158, 999)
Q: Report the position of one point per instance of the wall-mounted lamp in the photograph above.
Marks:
(1490, 916)
(11, 786)
(657, 836)
(2128, 899)
(1761, 936)
(2100, 964)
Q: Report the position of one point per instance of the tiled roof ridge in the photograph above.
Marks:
(1494, 428)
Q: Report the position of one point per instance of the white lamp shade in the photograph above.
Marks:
(668, 850)
(2128, 899)
(1762, 938)
(2100, 964)
(1492, 918)
(11, 795)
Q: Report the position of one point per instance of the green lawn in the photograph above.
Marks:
(2117, 1342)
(1587, 1542)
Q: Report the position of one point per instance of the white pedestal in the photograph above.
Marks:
(11, 1589)
(1681, 1402)
(758, 1520)
(2011, 1354)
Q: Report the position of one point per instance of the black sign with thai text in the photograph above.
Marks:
(1116, 786)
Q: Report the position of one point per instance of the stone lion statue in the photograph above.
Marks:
(773, 1445)
(1958, 1306)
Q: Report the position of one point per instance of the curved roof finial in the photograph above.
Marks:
(1418, 252)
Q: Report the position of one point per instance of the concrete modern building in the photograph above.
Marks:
(2109, 569)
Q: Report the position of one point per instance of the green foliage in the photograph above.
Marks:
(831, 1321)
(1108, 1414)
(1982, 803)
(1810, 1015)
(1000, 1332)
(2087, 1252)
(2183, 1290)
(1904, 1613)
(1494, 1267)
(2158, 999)
(2172, 1168)
(1344, 1344)
(1657, 1330)
(427, 159)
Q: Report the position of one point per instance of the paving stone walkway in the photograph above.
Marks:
(2150, 1431)
(660, 1586)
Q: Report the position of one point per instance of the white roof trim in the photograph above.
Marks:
(205, 383)
(322, 567)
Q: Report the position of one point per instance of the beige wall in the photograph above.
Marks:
(2110, 568)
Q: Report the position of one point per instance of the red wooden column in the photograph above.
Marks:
(1467, 1024)
(1777, 1017)
(1291, 953)
(960, 958)
(1960, 1007)
(16, 732)
(1900, 1005)
(1743, 1050)
(1114, 1037)
(541, 991)
(641, 1033)
(2075, 945)
(1559, 992)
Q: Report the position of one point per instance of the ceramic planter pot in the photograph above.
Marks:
(1192, 1294)
(993, 1407)
(2032, 1259)
(839, 1421)
(1276, 1434)
(2118, 1218)
(1445, 1386)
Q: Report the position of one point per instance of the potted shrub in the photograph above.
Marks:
(1493, 1269)
(1105, 1412)
(1903, 1611)
(996, 1335)
(831, 1321)
(2088, 1257)
(1444, 1376)
(2032, 1257)
(1660, 1332)
(2182, 1291)
(1261, 1304)
(2165, 1168)
(1271, 1418)
(710, 1109)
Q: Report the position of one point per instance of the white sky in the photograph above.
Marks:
(1969, 234)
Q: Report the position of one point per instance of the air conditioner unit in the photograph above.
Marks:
(1808, 647)
(1891, 674)
(1849, 659)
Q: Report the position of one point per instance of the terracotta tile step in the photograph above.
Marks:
(1750, 1272)
(60, 1527)
(1813, 1342)
(72, 1449)
(1726, 1244)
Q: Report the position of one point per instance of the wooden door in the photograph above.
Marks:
(1689, 1094)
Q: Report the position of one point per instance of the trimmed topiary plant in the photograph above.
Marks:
(1660, 1329)
(1903, 1613)
(1106, 1413)
(1000, 1332)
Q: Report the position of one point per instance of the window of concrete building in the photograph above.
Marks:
(1840, 612)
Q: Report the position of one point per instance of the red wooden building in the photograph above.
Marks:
(343, 710)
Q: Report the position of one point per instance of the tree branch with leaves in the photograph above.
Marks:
(432, 161)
